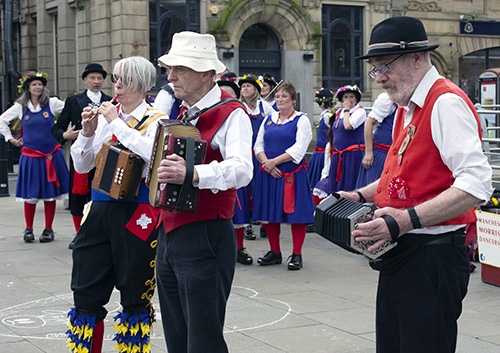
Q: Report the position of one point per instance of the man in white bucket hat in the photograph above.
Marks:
(196, 252)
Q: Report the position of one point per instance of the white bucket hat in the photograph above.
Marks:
(195, 51)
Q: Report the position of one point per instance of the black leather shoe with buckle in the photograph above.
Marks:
(295, 263)
(28, 236)
(271, 258)
(47, 236)
(249, 234)
(243, 257)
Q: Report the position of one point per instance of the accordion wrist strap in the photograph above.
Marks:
(393, 227)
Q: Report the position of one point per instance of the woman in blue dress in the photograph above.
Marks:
(377, 142)
(282, 191)
(43, 173)
(325, 100)
(258, 109)
(345, 149)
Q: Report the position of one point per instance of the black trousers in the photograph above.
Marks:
(418, 306)
(195, 269)
(107, 255)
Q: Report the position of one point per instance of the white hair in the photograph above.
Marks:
(136, 73)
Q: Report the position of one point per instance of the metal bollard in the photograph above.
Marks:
(4, 174)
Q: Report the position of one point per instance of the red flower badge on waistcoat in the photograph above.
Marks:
(398, 189)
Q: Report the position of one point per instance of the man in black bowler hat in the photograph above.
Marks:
(93, 76)
(434, 174)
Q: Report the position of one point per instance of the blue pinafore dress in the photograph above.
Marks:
(348, 147)
(382, 140)
(32, 181)
(317, 160)
(270, 201)
(243, 204)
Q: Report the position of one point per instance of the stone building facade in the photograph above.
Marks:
(311, 43)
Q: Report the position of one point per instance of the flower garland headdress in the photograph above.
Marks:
(30, 76)
(348, 88)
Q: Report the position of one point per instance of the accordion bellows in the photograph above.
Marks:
(337, 217)
(172, 137)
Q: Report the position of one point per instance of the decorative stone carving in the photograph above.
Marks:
(380, 6)
(424, 6)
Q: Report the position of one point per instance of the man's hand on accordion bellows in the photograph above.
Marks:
(173, 170)
(377, 229)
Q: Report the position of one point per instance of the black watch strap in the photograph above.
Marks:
(361, 197)
(415, 221)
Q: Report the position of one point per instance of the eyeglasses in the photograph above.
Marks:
(115, 78)
(176, 70)
(382, 68)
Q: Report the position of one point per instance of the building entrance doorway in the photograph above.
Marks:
(260, 52)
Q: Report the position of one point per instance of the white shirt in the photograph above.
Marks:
(302, 139)
(455, 134)
(268, 109)
(164, 101)
(16, 111)
(94, 96)
(234, 141)
(325, 116)
(85, 149)
(357, 116)
(382, 107)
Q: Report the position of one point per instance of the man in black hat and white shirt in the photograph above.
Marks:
(434, 174)
(93, 76)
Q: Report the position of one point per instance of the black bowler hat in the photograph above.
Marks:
(229, 79)
(398, 35)
(94, 67)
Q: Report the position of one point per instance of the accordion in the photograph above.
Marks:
(337, 217)
(118, 171)
(183, 139)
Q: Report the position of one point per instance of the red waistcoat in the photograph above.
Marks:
(422, 167)
(210, 205)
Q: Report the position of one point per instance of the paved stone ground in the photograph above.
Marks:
(328, 306)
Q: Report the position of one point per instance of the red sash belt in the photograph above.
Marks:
(340, 153)
(288, 189)
(51, 169)
(319, 149)
(381, 146)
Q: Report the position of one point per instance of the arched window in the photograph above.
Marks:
(342, 42)
(472, 64)
(167, 17)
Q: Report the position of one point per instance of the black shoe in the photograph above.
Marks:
(243, 257)
(271, 258)
(255, 222)
(263, 232)
(295, 263)
(249, 234)
(71, 244)
(310, 228)
(28, 236)
(47, 236)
